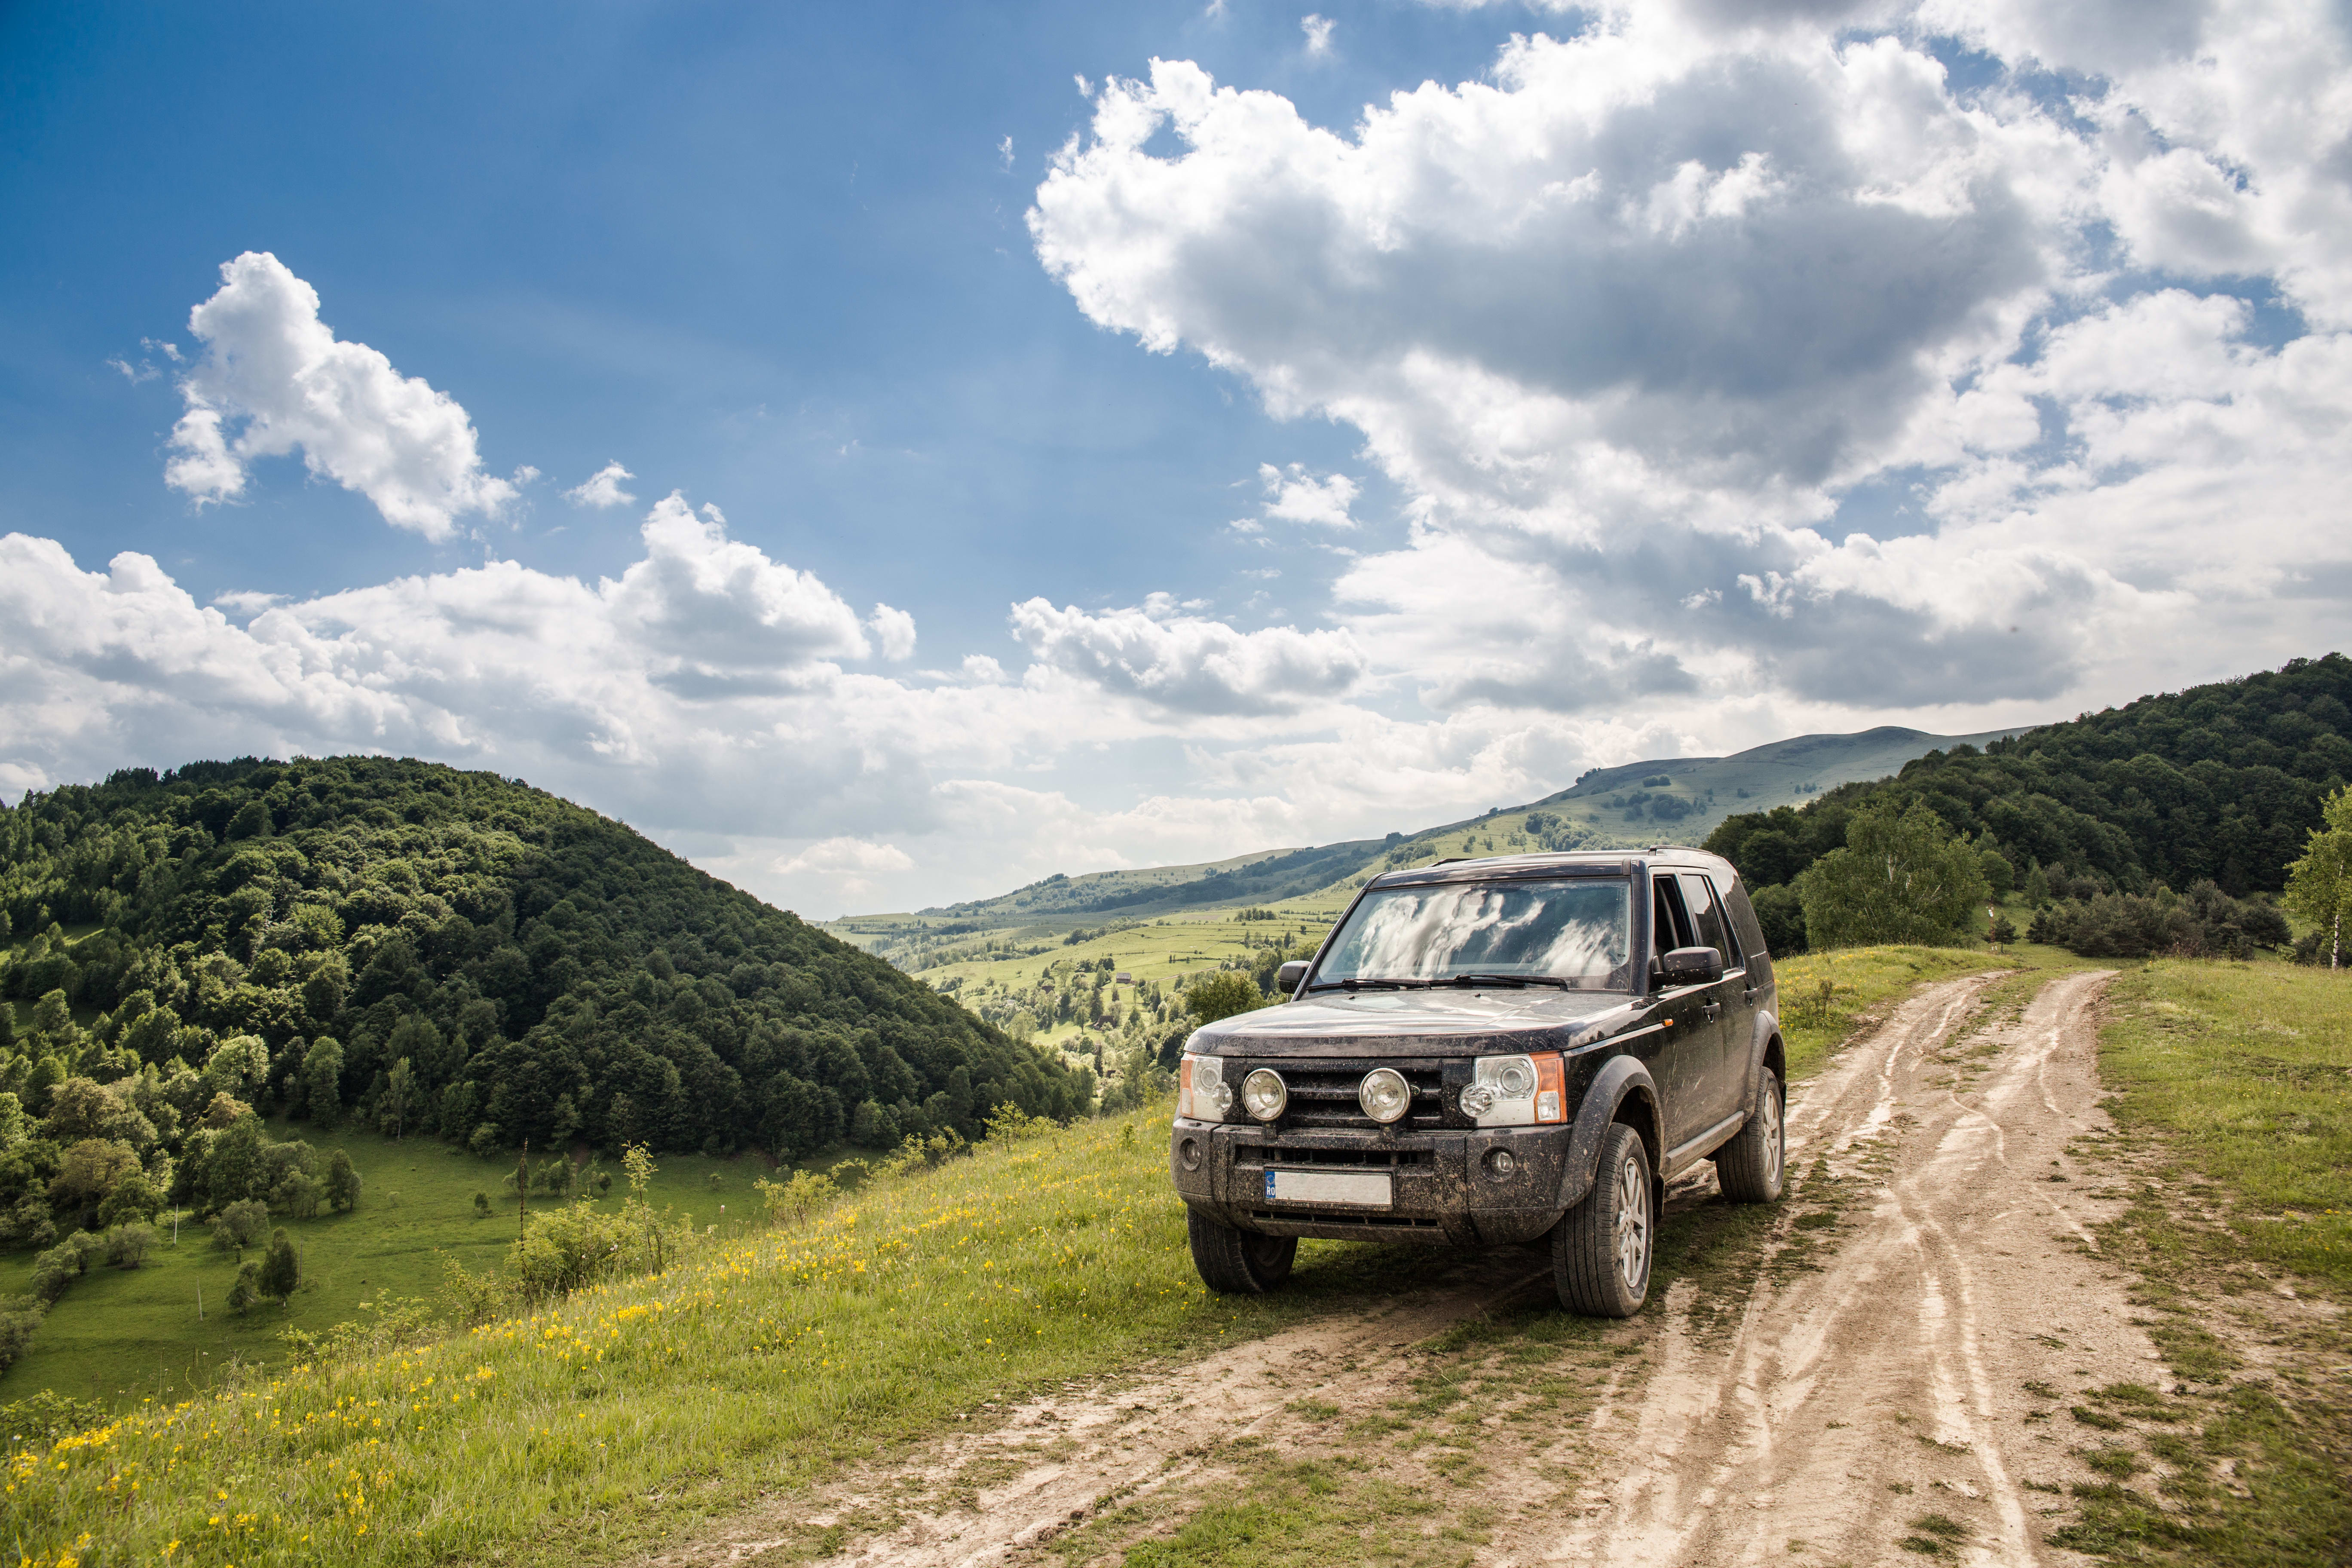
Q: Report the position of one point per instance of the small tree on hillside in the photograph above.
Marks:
(281, 1269)
(1902, 875)
(343, 1184)
(1223, 994)
(2319, 885)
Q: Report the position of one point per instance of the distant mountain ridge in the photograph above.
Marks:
(1604, 808)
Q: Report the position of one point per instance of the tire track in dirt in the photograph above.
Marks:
(1893, 1382)
(1883, 1378)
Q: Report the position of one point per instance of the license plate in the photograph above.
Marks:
(1356, 1189)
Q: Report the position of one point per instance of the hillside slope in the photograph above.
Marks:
(2220, 781)
(544, 972)
(1680, 797)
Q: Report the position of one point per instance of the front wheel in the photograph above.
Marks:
(1238, 1262)
(1753, 1167)
(1601, 1248)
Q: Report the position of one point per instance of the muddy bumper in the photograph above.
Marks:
(1491, 1185)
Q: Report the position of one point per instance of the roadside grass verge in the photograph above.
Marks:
(757, 1366)
(2250, 1067)
(2233, 1100)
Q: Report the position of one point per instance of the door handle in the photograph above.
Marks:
(1711, 1011)
(1749, 994)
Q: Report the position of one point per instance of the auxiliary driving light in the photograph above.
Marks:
(1264, 1095)
(1384, 1095)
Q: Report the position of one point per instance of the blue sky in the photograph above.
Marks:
(1106, 436)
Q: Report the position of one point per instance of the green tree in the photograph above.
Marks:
(2319, 885)
(53, 1014)
(1222, 995)
(247, 1290)
(343, 1184)
(1902, 875)
(399, 1084)
(281, 1270)
(322, 1080)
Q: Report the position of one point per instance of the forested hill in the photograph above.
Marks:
(545, 972)
(2219, 782)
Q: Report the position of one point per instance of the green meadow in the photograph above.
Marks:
(164, 1329)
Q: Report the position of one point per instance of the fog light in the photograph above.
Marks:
(1188, 1150)
(1384, 1095)
(1263, 1094)
(1478, 1099)
(1501, 1162)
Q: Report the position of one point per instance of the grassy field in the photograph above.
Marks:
(2248, 1068)
(119, 1335)
(630, 1410)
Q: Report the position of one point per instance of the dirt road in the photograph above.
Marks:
(1886, 1365)
(1897, 1381)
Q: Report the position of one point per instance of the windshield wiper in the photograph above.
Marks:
(1509, 979)
(1355, 983)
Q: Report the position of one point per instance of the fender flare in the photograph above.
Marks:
(1766, 1038)
(1620, 1078)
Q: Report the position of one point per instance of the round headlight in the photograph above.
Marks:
(1515, 1081)
(1478, 1099)
(1263, 1094)
(1384, 1095)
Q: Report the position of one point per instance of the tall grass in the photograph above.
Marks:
(755, 1364)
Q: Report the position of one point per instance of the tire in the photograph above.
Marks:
(1601, 1248)
(1753, 1168)
(1238, 1262)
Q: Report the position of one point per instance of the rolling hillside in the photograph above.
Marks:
(1681, 798)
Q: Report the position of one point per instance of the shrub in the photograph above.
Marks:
(55, 1271)
(299, 1197)
(247, 1290)
(1222, 995)
(798, 1196)
(127, 1246)
(281, 1270)
(2205, 922)
(343, 1184)
(481, 1206)
(39, 1419)
(241, 1224)
(570, 1248)
(19, 1316)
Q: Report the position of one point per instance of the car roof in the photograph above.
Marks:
(1567, 863)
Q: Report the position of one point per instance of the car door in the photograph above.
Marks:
(1724, 1084)
(1693, 1030)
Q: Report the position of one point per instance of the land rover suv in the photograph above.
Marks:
(1519, 1049)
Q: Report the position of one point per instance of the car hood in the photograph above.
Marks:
(1416, 1022)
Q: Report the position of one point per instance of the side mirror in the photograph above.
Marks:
(1290, 977)
(1691, 966)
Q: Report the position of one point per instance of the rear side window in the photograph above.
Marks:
(1706, 918)
(1670, 925)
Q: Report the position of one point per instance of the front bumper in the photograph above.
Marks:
(1447, 1189)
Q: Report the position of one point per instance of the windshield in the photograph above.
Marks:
(1570, 931)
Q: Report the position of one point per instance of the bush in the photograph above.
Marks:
(281, 1270)
(242, 1223)
(2205, 922)
(299, 1197)
(570, 1248)
(343, 1184)
(127, 1246)
(798, 1196)
(134, 1200)
(484, 1142)
(1222, 995)
(247, 1290)
(19, 1316)
(39, 1419)
(55, 1271)
(481, 1206)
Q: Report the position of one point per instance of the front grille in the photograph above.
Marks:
(1288, 1154)
(1323, 1093)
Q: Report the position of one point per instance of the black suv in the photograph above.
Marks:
(1485, 1052)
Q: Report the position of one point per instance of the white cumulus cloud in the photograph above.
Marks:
(601, 488)
(1188, 664)
(274, 378)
